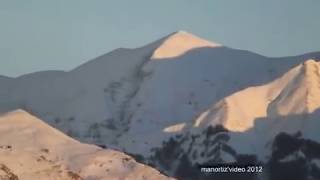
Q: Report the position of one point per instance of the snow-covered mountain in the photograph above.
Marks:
(30, 149)
(178, 102)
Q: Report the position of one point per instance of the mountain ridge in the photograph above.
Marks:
(179, 43)
(309, 55)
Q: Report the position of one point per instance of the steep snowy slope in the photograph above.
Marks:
(30, 149)
(295, 93)
(271, 124)
(302, 94)
(288, 104)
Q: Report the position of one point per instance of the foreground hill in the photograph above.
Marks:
(30, 150)
(180, 101)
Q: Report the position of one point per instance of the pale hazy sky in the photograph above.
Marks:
(61, 34)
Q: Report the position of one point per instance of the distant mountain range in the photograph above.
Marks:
(181, 102)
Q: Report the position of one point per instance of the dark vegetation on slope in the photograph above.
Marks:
(300, 165)
(177, 157)
(174, 159)
(6, 173)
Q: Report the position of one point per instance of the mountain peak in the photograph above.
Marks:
(310, 66)
(302, 94)
(179, 43)
(16, 113)
(181, 33)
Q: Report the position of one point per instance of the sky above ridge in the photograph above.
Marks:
(39, 35)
